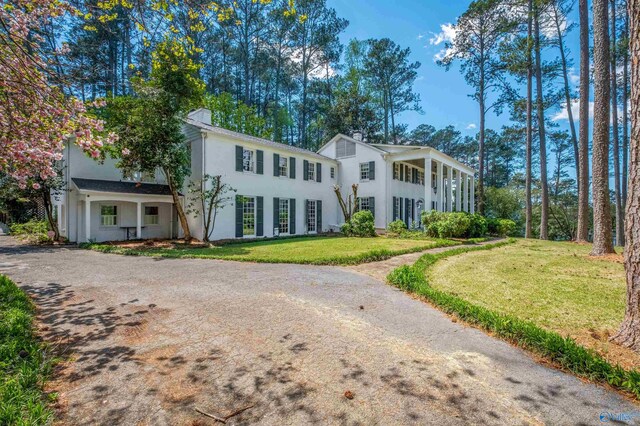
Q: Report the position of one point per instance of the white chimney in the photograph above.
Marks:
(202, 115)
(357, 136)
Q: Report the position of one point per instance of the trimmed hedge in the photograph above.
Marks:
(563, 351)
(362, 224)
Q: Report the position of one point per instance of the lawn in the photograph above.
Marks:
(24, 365)
(304, 250)
(554, 285)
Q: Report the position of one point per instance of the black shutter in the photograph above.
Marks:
(318, 172)
(413, 209)
(407, 211)
(401, 172)
(292, 216)
(276, 164)
(400, 216)
(395, 209)
(372, 206)
(393, 169)
(260, 162)
(276, 213)
(292, 167)
(239, 227)
(260, 216)
(319, 216)
(406, 173)
(372, 170)
(239, 153)
(305, 170)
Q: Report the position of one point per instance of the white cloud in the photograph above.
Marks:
(420, 36)
(563, 114)
(447, 34)
(574, 77)
(471, 126)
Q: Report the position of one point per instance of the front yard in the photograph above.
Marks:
(304, 250)
(554, 285)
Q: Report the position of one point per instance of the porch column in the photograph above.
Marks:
(473, 194)
(465, 181)
(449, 188)
(87, 219)
(428, 192)
(139, 220)
(439, 188)
(458, 190)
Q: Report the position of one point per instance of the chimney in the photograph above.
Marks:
(202, 115)
(357, 136)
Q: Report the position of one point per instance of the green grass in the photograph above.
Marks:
(561, 351)
(24, 363)
(305, 250)
(555, 285)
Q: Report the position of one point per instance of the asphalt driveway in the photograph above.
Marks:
(154, 339)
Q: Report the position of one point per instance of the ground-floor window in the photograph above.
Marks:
(311, 216)
(363, 204)
(397, 208)
(283, 216)
(108, 215)
(249, 216)
(151, 215)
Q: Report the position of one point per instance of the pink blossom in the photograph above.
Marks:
(36, 186)
(125, 151)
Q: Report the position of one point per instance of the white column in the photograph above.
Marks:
(473, 194)
(428, 191)
(458, 190)
(439, 188)
(449, 188)
(465, 205)
(139, 220)
(87, 219)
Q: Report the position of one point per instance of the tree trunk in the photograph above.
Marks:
(625, 113)
(602, 238)
(567, 91)
(582, 233)
(616, 138)
(544, 214)
(48, 206)
(179, 209)
(528, 207)
(629, 333)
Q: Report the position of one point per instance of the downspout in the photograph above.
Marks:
(202, 180)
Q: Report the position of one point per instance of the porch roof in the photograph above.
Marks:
(120, 187)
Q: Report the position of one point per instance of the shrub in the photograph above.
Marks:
(361, 225)
(396, 227)
(34, 231)
(478, 226)
(455, 225)
(501, 227)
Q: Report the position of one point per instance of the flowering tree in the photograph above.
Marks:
(36, 118)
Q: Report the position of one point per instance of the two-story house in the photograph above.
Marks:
(279, 189)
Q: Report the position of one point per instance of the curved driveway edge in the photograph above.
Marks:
(155, 338)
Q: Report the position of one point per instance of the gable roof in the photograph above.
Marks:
(259, 141)
(350, 139)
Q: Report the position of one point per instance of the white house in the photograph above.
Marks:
(280, 189)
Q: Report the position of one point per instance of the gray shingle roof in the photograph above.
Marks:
(121, 187)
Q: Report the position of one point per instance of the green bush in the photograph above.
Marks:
(24, 365)
(478, 226)
(361, 225)
(455, 225)
(396, 227)
(34, 231)
(501, 227)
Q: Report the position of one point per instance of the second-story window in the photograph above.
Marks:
(364, 171)
(333, 173)
(396, 171)
(248, 160)
(312, 171)
(284, 166)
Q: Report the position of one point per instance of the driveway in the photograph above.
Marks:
(154, 339)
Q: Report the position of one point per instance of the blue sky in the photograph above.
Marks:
(413, 23)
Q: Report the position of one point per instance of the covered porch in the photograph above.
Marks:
(118, 211)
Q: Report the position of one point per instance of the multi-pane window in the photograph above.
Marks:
(284, 164)
(363, 204)
(421, 177)
(406, 173)
(397, 208)
(151, 216)
(345, 149)
(283, 216)
(311, 216)
(396, 171)
(434, 181)
(311, 173)
(333, 173)
(248, 160)
(364, 171)
(109, 215)
(249, 216)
